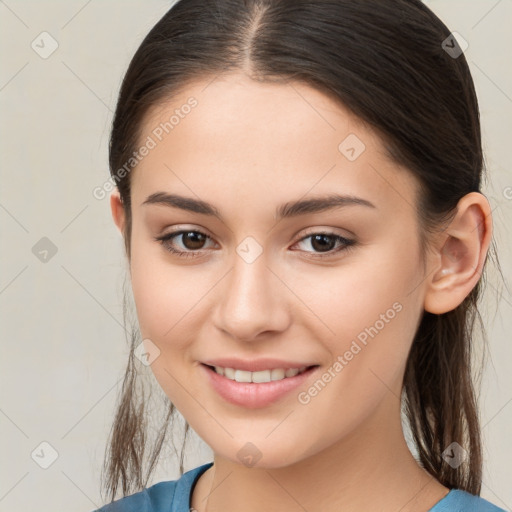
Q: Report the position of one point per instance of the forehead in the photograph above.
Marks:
(249, 141)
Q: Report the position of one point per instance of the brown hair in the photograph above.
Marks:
(385, 61)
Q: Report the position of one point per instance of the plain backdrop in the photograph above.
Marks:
(62, 264)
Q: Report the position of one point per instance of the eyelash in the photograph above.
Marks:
(347, 244)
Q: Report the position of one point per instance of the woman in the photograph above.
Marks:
(298, 188)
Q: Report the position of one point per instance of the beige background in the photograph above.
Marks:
(63, 346)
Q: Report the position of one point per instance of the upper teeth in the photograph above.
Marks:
(261, 376)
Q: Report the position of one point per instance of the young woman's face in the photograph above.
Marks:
(259, 280)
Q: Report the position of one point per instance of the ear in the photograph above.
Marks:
(118, 213)
(459, 255)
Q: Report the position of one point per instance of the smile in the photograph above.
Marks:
(239, 388)
(258, 377)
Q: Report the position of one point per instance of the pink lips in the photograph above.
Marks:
(255, 365)
(254, 395)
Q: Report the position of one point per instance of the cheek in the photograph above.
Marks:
(159, 294)
(166, 303)
(353, 296)
(366, 315)
(169, 298)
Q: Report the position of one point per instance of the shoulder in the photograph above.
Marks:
(461, 501)
(147, 500)
(168, 496)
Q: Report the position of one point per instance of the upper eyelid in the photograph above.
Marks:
(310, 232)
(327, 231)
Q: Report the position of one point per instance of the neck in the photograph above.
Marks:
(370, 469)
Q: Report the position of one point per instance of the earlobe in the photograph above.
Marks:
(459, 258)
(117, 208)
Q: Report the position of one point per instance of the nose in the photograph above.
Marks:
(253, 300)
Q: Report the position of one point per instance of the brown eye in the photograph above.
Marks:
(191, 241)
(322, 242)
(327, 244)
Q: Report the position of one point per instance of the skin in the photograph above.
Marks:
(247, 148)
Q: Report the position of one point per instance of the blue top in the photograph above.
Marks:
(174, 496)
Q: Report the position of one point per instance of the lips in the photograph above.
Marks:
(257, 365)
(251, 395)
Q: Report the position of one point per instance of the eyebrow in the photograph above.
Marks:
(286, 210)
